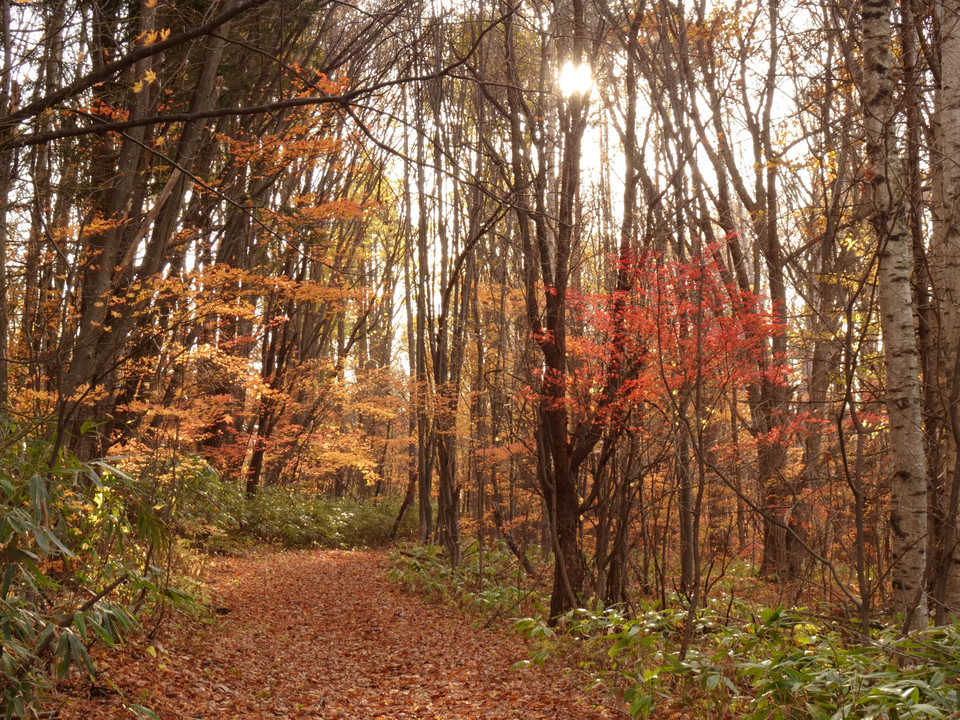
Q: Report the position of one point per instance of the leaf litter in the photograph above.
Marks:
(323, 634)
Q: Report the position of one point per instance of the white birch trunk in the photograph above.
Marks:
(884, 190)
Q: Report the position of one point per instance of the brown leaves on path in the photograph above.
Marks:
(324, 634)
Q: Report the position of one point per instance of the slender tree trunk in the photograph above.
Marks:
(6, 176)
(424, 426)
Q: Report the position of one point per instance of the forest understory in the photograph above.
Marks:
(323, 634)
(377, 635)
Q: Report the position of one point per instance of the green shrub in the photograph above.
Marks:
(783, 665)
(80, 543)
(770, 664)
(485, 582)
(297, 519)
(215, 513)
(201, 504)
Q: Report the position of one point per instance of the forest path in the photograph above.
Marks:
(325, 634)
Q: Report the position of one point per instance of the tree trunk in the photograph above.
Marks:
(885, 196)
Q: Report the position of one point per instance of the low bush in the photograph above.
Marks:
(781, 665)
(750, 663)
(297, 519)
(485, 581)
(215, 514)
(83, 550)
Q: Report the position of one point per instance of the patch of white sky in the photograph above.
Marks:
(790, 147)
(28, 33)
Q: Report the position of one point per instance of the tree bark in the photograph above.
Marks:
(884, 189)
(945, 272)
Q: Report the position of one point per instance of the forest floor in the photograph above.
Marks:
(323, 634)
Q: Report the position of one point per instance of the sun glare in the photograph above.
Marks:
(575, 79)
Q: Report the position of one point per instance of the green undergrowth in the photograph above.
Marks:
(486, 582)
(742, 661)
(87, 558)
(216, 515)
(303, 521)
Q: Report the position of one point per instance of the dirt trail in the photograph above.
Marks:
(325, 635)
